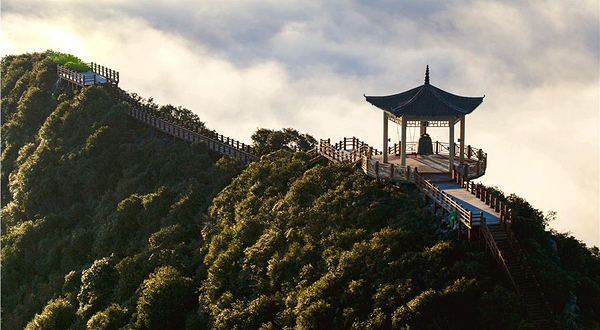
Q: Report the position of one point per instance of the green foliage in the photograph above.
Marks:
(26, 102)
(107, 224)
(58, 314)
(566, 269)
(82, 181)
(266, 141)
(325, 247)
(112, 318)
(97, 285)
(70, 61)
(500, 305)
(166, 297)
(181, 114)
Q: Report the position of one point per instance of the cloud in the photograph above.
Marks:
(306, 64)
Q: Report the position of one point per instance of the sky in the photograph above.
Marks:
(241, 65)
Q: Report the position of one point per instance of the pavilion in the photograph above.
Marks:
(428, 106)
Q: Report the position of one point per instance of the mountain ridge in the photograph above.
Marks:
(122, 221)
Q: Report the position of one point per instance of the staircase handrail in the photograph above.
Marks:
(506, 221)
(491, 244)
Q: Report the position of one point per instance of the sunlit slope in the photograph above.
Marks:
(108, 224)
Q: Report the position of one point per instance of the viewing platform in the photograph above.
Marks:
(98, 75)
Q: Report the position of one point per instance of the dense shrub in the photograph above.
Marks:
(165, 300)
(82, 181)
(265, 141)
(57, 314)
(70, 61)
(112, 318)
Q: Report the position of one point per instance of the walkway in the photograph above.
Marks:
(92, 78)
(468, 201)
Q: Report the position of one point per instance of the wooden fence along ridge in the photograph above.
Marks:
(161, 121)
(499, 239)
(190, 132)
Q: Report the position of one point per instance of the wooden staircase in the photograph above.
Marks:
(509, 256)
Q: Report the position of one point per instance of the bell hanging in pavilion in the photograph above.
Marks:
(425, 145)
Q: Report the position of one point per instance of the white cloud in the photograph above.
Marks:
(307, 64)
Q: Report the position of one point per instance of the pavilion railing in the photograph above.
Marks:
(411, 148)
(386, 171)
(471, 170)
(475, 168)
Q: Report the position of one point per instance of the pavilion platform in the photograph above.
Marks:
(439, 163)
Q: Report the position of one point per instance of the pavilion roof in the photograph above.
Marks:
(426, 101)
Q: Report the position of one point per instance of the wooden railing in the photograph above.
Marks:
(188, 131)
(472, 170)
(349, 149)
(349, 144)
(446, 201)
(491, 244)
(506, 221)
(354, 150)
(395, 149)
(112, 76)
(483, 193)
(386, 171)
(109, 76)
(191, 132)
(335, 153)
(71, 76)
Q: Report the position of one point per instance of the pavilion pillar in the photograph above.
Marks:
(385, 137)
(403, 142)
(451, 146)
(462, 140)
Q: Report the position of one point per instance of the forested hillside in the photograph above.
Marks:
(108, 224)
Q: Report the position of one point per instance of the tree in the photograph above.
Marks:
(57, 315)
(266, 141)
(165, 299)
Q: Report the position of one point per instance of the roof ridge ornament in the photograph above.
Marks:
(427, 75)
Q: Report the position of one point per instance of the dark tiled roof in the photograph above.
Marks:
(426, 101)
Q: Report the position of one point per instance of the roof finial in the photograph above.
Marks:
(427, 75)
